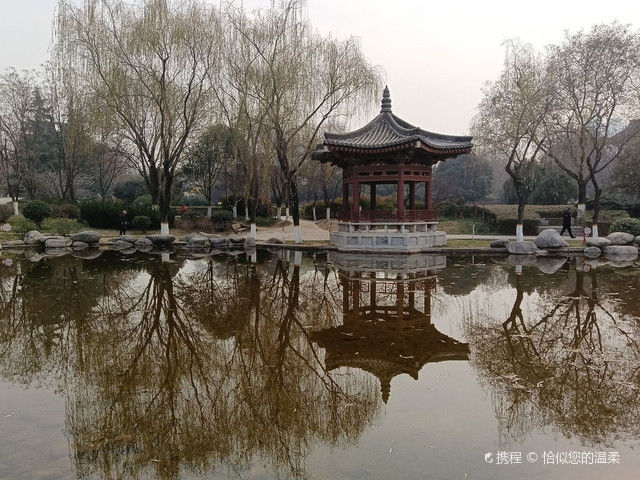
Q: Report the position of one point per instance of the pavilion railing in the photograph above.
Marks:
(389, 216)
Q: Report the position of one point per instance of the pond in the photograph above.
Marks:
(317, 367)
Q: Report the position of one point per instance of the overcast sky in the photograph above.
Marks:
(436, 54)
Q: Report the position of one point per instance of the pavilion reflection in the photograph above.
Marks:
(386, 325)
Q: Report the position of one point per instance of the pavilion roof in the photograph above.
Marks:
(388, 132)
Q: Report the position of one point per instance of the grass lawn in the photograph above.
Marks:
(464, 226)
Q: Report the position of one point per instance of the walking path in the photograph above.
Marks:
(310, 232)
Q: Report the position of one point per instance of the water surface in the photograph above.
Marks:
(344, 367)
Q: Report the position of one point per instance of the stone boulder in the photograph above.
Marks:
(599, 242)
(14, 244)
(127, 238)
(218, 240)
(143, 242)
(121, 245)
(250, 243)
(33, 237)
(592, 252)
(637, 240)
(550, 238)
(627, 252)
(198, 240)
(522, 248)
(161, 239)
(79, 245)
(88, 236)
(550, 265)
(620, 262)
(620, 238)
(521, 260)
(275, 241)
(87, 253)
(499, 244)
(56, 242)
(234, 238)
(188, 237)
(55, 252)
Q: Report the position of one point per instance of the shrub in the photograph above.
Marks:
(141, 222)
(221, 216)
(627, 225)
(194, 213)
(143, 201)
(6, 211)
(65, 211)
(21, 225)
(36, 211)
(61, 226)
(221, 220)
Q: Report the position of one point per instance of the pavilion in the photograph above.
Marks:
(388, 151)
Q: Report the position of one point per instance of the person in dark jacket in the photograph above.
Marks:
(123, 222)
(566, 222)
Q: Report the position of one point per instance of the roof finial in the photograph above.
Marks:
(386, 100)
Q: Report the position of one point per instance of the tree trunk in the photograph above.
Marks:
(582, 201)
(295, 213)
(164, 203)
(293, 188)
(521, 203)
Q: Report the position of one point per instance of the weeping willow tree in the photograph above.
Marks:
(301, 80)
(152, 66)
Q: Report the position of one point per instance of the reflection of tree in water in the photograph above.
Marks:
(42, 305)
(570, 362)
(196, 371)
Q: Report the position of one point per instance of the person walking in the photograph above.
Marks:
(123, 222)
(566, 222)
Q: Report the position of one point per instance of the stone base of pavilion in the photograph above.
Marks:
(423, 264)
(401, 237)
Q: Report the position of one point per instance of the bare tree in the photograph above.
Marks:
(153, 65)
(509, 123)
(592, 74)
(16, 98)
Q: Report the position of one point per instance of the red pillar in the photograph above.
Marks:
(372, 199)
(355, 213)
(427, 195)
(412, 195)
(400, 193)
(345, 197)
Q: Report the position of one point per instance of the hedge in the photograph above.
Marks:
(99, 214)
(507, 226)
(627, 225)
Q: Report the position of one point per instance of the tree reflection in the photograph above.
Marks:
(169, 367)
(566, 359)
